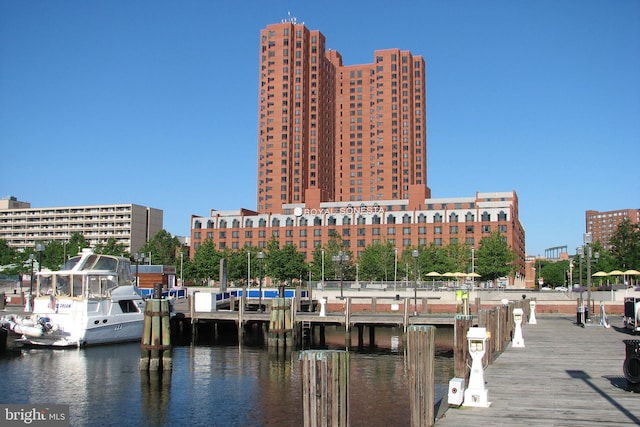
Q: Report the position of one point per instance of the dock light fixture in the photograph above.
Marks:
(532, 315)
(476, 393)
(518, 340)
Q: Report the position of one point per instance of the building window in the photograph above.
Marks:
(437, 230)
(469, 217)
(453, 229)
(485, 216)
(486, 229)
(391, 231)
(437, 218)
(422, 230)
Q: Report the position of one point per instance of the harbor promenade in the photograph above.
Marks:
(565, 375)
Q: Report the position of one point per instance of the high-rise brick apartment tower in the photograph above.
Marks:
(332, 133)
(342, 151)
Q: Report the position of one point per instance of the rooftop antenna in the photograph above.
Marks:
(291, 19)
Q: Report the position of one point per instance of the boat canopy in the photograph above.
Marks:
(86, 276)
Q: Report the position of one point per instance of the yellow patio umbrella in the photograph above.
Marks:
(600, 274)
(458, 275)
(449, 275)
(632, 273)
(616, 273)
(433, 275)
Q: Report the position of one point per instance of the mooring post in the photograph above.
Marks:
(156, 338)
(421, 362)
(460, 346)
(280, 324)
(325, 387)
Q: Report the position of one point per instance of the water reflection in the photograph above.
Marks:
(212, 385)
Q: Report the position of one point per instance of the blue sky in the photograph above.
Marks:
(155, 102)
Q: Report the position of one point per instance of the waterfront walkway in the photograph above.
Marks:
(565, 376)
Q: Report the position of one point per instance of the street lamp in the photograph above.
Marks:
(30, 303)
(40, 249)
(580, 253)
(260, 258)
(138, 259)
(415, 286)
(473, 268)
(181, 262)
(340, 258)
(322, 280)
(395, 269)
(248, 269)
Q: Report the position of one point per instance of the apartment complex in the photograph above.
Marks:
(22, 226)
(343, 149)
(602, 225)
(330, 132)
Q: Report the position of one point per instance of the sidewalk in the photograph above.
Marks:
(565, 376)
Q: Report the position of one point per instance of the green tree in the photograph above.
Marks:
(205, 264)
(377, 262)
(284, 264)
(10, 259)
(162, 248)
(494, 257)
(435, 258)
(459, 255)
(555, 273)
(112, 247)
(625, 244)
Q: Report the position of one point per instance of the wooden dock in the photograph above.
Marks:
(565, 375)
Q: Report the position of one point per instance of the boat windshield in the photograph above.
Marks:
(71, 262)
(92, 285)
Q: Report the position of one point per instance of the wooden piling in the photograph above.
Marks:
(280, 326)
(156, 337)
(325, 388)
(421, 362)
(461, 346)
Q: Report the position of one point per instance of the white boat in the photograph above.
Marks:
(92, 300)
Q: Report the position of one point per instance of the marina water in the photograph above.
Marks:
(217, 385)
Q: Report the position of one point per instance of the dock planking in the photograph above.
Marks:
(565, 375)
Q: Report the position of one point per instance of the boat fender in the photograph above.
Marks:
(33, 331)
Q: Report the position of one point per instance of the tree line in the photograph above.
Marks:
(491, 259)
